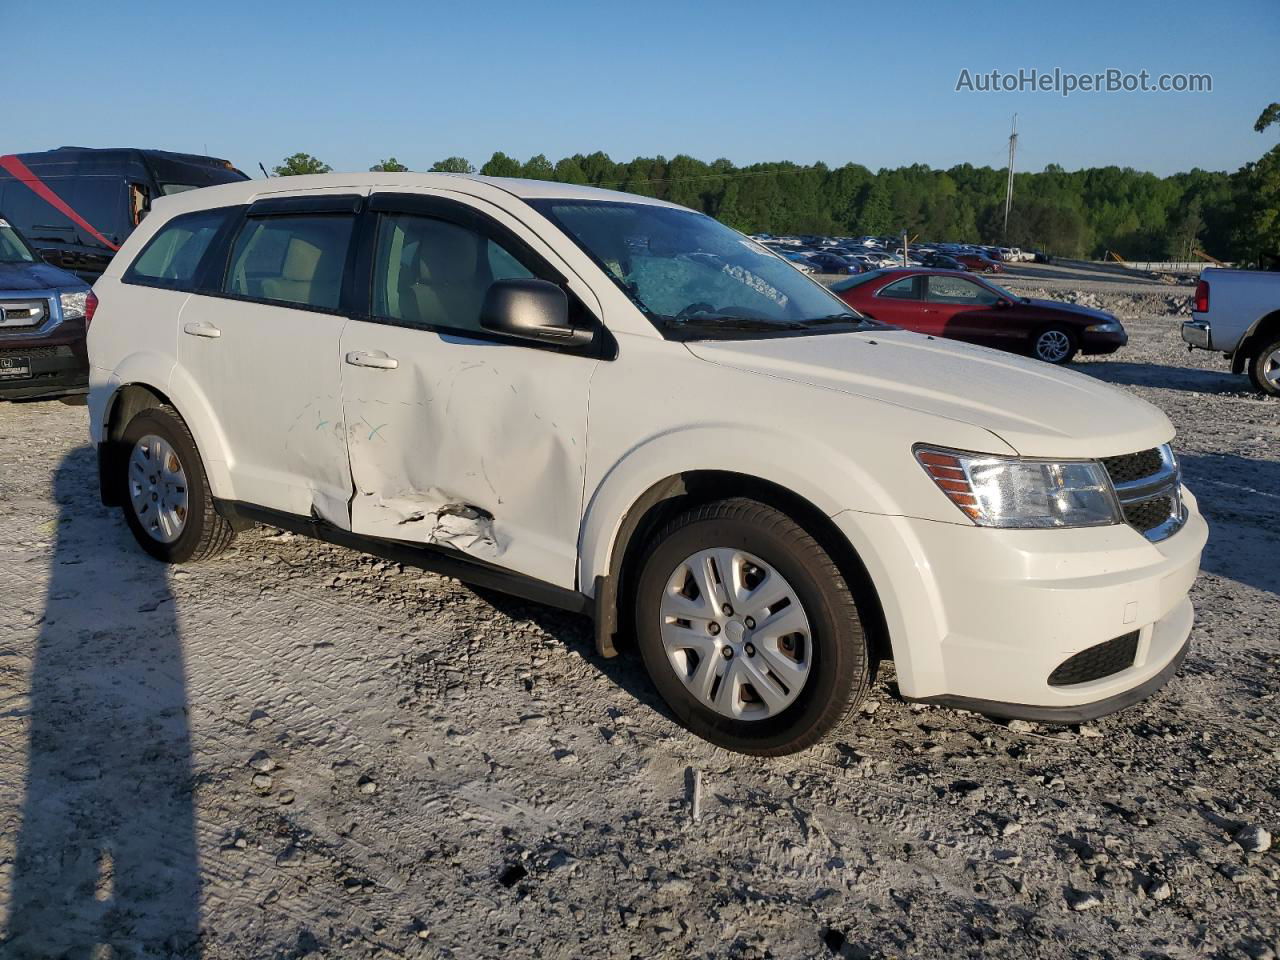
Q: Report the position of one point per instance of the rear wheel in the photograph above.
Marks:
(748, 629)
(1264, 367)
(1054, 345)
(165, 493)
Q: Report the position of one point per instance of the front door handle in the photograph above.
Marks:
(202, 329)
(376, 359)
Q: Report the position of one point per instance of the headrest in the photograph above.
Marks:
(300, 260)
(448, 254)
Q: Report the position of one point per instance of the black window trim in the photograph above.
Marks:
(918, 280)
(603, 346)
(199, 277)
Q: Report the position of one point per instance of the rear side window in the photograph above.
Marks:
(170, 259)
(291, 259)
(908, 288)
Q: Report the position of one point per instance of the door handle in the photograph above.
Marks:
(202, 329)
(376, 360)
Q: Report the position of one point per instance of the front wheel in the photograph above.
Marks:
(166, 497)
(748, 629)
(1055, 345)
(1264, 368)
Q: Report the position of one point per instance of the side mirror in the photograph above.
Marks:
(1002, 303)
(532, 310)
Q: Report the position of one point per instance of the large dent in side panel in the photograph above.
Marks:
(476, 457)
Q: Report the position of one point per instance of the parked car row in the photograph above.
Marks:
(854, 255)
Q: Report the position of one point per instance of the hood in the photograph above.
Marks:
(1038, 409)
(21, 277)
(1058, 306)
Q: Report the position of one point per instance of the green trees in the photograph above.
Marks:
(452, 165)
(299, 164)
(1081, 213)
(390, 165)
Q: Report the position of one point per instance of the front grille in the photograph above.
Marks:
(1097, 662)
(1133, 466)
(36, 352)
(1148, 485)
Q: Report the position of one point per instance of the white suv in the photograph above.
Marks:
(621, 407)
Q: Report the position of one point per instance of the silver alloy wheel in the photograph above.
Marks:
(736, 634)
(158, 488)
(1271, 369)
(1052, 346)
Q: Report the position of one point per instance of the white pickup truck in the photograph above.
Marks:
(1237, 313)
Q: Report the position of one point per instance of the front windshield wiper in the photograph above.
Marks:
(718, 321)
(852, 319)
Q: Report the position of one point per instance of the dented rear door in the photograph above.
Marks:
(458, 439)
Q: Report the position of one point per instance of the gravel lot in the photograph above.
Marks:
(299, 751)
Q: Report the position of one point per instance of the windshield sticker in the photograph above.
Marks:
(758, 284)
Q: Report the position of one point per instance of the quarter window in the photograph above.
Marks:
(297, 259)
(434, 273)
(172, 256)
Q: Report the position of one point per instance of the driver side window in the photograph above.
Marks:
(433, 273)
(945, 289)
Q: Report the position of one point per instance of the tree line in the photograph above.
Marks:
(1080, 213)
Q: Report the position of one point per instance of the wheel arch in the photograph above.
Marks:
(675, 493)
(1254, 339)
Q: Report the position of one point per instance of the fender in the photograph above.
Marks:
(811, 470)
(162, 374)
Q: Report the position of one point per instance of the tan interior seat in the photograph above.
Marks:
(297, 275)
(448, 288)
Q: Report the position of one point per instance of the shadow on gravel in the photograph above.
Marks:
(1240, 497)
(578, 634)
(106, 853)
(1191, 379)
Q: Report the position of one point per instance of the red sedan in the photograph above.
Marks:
(960, 306)
(979, 263)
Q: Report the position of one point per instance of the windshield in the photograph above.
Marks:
(689, 272)
(13, 249)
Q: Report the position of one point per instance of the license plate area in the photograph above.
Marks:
(15, 368)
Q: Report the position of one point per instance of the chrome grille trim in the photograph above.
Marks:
(1164, 484)
(22, 314)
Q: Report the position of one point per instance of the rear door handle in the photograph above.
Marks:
(202, 329)
(375, 359)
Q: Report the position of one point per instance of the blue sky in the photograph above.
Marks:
(353, 83)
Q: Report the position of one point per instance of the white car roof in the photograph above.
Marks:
(247, 191)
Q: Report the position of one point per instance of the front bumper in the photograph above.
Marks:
(1096, 343)
(1197, 334)
(980, 618)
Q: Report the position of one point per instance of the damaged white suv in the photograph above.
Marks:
(621, 407)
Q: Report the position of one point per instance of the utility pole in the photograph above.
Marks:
(1008, 190)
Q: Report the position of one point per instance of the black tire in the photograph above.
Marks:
(205, 533)
(838, 677)
(1073, 345)
(1264, 362)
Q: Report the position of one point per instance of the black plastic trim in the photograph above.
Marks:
(289, 206)
(450, 563)
(1074, 714)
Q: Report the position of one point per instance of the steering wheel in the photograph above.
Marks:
(693, 308)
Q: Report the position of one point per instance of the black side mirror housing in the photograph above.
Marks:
(532, 310)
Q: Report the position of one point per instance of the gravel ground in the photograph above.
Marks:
(299, 751)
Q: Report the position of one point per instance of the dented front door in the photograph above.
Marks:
(473, 445)
(458, 439)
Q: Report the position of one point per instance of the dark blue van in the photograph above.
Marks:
(76, 205)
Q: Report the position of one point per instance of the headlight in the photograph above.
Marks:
(73, 304)
(1110, 326)
(1010, 492)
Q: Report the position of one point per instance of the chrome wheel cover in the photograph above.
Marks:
(1053, 346)
(736, 634)
(158, 488)
(1271, 369)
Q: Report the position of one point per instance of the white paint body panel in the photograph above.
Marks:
(1238, 299)
(557, 448)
